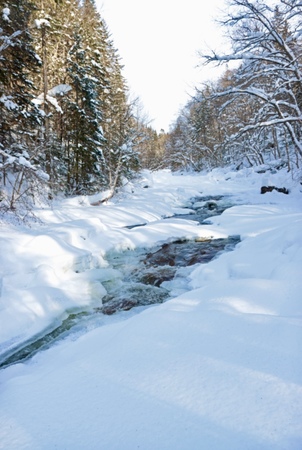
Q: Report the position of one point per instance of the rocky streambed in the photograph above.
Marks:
(145, 277)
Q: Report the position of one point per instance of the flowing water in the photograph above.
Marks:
(145, 277)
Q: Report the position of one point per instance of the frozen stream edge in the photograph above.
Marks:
(75, 323)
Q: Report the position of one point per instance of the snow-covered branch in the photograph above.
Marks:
(8, 41)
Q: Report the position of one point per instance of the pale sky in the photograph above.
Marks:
(158, 42)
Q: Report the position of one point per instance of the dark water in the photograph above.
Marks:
(143, 276)
(142, 283)
(202, 209)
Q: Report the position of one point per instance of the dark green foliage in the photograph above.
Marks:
(63, 100)
(17, 62)
(19, 172)
(84, 117)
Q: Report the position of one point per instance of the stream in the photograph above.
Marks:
(144, 277)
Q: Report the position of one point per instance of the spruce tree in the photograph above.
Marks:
(19, 117)
(84, 119)
(54, 23)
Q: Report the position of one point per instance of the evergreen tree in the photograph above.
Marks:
(88, 130)
(63, 99)
(84, 118)
(54, 24)
(120, 158)
(19, 117)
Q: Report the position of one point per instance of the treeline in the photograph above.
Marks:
(66, 119)
(67, 124)
(253, 113)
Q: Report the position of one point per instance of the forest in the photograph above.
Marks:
(150, 281)
(69, 126)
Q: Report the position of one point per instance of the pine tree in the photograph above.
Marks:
(118, 157)
(84, 114)
(87, 132)
(19, 117)
(53, 24)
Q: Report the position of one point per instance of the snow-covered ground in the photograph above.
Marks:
(216, 368)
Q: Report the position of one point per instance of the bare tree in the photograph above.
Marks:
(266, 41)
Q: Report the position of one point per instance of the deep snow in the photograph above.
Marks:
(218, 367)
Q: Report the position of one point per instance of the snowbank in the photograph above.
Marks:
(218, 367)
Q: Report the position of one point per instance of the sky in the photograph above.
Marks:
(217, 366)
(158, 42)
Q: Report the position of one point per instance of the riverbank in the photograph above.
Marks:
(219, 365)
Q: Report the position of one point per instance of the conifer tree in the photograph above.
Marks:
(84, 116)
(19, 117)
(89, 127)
(53, 25)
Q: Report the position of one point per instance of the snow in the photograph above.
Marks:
(60, 89)
(8, 103)
(42, 22)
(52, 100)
(5, 14)
(217, 367)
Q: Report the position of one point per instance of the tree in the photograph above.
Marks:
(53, 27)
(195, 139)
(116, 155)
(19, 117)
(84, 118)
(63, 100)
(266, 41)
(88, 129)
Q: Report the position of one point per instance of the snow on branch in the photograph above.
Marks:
(9, 40)
(247, 56)
(8, 103)
(5, 14)
(39, 23)
(21, 161)
(60, 90)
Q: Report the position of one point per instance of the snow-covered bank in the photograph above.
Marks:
(52, 268)
(218, 367)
